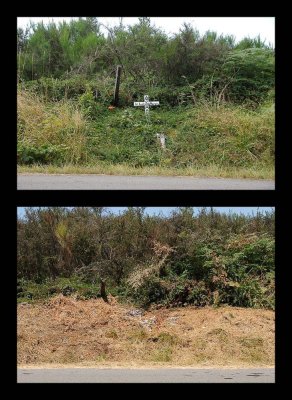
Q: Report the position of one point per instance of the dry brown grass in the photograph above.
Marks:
(123, 169)
(94, 333)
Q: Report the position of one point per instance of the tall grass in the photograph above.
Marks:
(230, 136)
(60, 125)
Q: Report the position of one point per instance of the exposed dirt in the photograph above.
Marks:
(65, 331)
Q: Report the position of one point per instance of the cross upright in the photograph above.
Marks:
(146, 103)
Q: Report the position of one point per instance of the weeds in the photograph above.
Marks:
(168, 339)
(50, 132)
(200, 140)
(162, 355)
(138, 335)
(30, 291)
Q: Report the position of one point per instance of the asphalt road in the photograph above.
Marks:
(111, 182)
(92, 375)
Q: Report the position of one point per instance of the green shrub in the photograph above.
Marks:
(183, 291)
(256, 258)
(151, 291)
(44, 154)
(89, 293)
(248, 293)
(88, 105)
(68, 290)
(58, 89)
(199, 295)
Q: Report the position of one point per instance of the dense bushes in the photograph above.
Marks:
(67, 59)
(44, 154)
(206, 259)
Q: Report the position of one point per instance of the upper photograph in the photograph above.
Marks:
(145, 103)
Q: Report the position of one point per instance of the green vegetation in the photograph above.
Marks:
(204, 259)
(216, 99)
(29, 290)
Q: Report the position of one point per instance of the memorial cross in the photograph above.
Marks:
(146, 103)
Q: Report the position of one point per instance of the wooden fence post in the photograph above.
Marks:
(117, 86)
(102, 290)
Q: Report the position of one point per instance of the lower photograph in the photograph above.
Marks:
(146, 294)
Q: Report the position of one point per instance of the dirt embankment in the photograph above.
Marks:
(94, 333)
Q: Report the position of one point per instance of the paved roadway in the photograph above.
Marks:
(112, 182)
(177, 375)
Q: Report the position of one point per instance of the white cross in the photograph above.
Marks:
(146, 103)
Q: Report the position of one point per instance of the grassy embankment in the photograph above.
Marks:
(62, 137)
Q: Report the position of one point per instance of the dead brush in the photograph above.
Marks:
(240, 240)
(60, 301)
(51, 335)
(138, 277)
